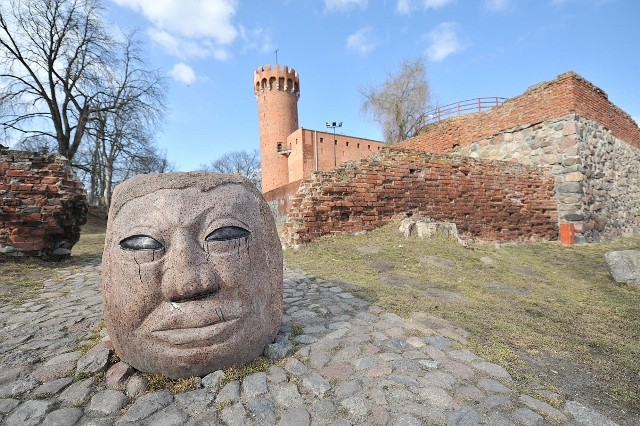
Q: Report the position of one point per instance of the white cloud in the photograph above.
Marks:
(405, 7)
(362, 41)
(256, 39)
(596, 3)
(443, 41)
(435, 4)
(189, 27)
(342, 5)
(498, 5)
(183, 73)
(177, 46)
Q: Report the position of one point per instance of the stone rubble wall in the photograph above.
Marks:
(611, 182)
(42, 205)
(487, 200)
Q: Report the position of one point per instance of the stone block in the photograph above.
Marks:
(624, 266)
(570, 187)
(573, 177)
(117, 375)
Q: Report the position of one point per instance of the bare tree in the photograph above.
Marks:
(64, 80)
(399, 103)
(52, 54)
(241, 163)
(131, 105)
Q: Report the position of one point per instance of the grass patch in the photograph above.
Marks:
(258, 365)
(88, 342)
(296, 329)
(518, 301)
(157, 382)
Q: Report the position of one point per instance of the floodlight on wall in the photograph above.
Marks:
(333, 125)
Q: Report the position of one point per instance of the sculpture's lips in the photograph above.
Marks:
(198, 322)
(197, 336)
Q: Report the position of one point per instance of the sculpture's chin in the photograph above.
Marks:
(197, 351)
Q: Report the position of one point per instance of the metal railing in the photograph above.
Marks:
(462, 107)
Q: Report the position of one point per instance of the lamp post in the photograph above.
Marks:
(333, 125)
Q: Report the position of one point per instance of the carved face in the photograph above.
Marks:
(192, 280)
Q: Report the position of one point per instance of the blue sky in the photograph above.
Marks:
(209, 49)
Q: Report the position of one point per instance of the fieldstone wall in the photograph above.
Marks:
(487, 200)
(611, 181)
(42, 205)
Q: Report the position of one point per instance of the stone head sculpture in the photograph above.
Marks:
(192, 273)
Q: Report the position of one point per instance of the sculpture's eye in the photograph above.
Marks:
(227, 233)
(140, 242)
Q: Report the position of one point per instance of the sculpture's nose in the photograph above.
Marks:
(187, 273)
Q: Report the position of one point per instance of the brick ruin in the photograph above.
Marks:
(42, 205)
(564, 133)
(488, 200)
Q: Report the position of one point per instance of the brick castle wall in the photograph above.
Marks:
(568, 125)
(42, 205)
(488, 200)
(568, 93)
(289, 153)
(312, 150)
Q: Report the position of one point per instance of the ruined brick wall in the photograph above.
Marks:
(42, 205)
(487, 200)
(552, 144)
(279, 200)
(568, 93)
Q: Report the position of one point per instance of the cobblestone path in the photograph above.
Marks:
(346, 363)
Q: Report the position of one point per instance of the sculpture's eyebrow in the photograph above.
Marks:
(208, 220)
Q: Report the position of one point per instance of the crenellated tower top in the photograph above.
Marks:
(283, 79)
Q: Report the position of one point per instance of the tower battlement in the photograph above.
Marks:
(283, 79)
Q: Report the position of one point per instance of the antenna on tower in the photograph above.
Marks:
(276, 52)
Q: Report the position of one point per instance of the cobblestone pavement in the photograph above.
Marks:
(348, 363)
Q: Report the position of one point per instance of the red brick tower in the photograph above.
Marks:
(277, 91)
